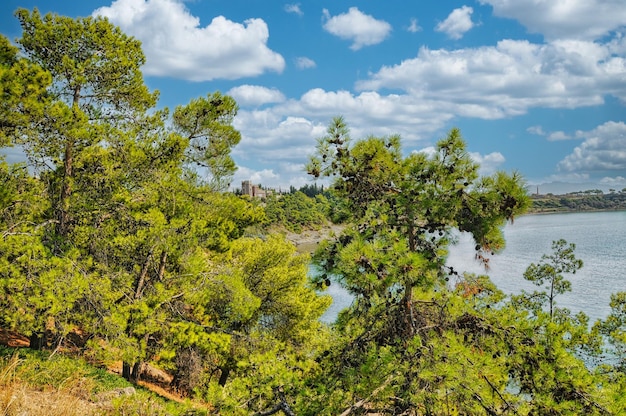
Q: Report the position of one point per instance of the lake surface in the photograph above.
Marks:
(600, 239)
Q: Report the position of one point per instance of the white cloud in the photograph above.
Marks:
(177, 46)
(414, 27)
(361, 29)
(302, 62)
(618, 182)
(457, 23)
(509, 78)
(372, 113)
(271, 138)
(560, 19)
(574, 177)
(432, 89)
(537, 130)
(282, 143)
(429, 151)
(552, 137)
(283, 135)
(489, 163)
(603, 149)
(265, 177)
(255, 95)
(558, 136)
(294, 8)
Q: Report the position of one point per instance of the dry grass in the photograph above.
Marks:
(18, 398)
(41, 387)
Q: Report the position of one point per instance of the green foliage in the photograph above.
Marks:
(403, 210)
(310, 190)
(88, 58)
(296, 211)
(549, 273)
(118, 236)
(413, 343)
(613, 328)
(81, 380)
(39, 289)
(23, 95)
(207, 124)
(585, 201)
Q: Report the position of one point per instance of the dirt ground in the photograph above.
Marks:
(307, 241)
(153, 379)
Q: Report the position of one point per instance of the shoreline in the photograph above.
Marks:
(307, 240)
(573, 211)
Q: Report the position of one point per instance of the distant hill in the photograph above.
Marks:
(580, 201)
(562, 188)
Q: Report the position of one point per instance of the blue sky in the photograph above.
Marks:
(535, 86)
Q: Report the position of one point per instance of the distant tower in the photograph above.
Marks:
(246, 188)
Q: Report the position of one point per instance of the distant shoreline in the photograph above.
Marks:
(572, 211)
(308, 240)
(547, 204)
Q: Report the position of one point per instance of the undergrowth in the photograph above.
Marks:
(33, 383)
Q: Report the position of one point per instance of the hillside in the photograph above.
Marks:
(576, 202)
(38, 383)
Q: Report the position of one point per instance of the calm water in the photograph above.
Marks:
(600, 239)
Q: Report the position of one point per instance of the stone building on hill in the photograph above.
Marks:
(254, 191)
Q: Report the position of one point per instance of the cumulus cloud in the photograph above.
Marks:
(255, 95)
(284, 134)
(177, 46)
(372, 113)
(429, 151)
(603, 149)
(437, 86)
(282, 143)
(294, 8)
(618, 182)
(509, 78)
(265, 177)
(489, 163)
(457, 23)
(273, 138)
(571, 19)
(362, 29)
(302, 62)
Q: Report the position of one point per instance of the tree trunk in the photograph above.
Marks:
(409, 314)
(225, 369)
(38, 341)
(162, 264)
(141, 281)
(126, 370)
(66, 190)
(130, 371)
(135, 373)
(68, 174)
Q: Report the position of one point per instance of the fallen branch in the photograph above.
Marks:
(281, 406)
(363, 402)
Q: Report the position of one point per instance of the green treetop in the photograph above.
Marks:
(403, 211)
(96, 83)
